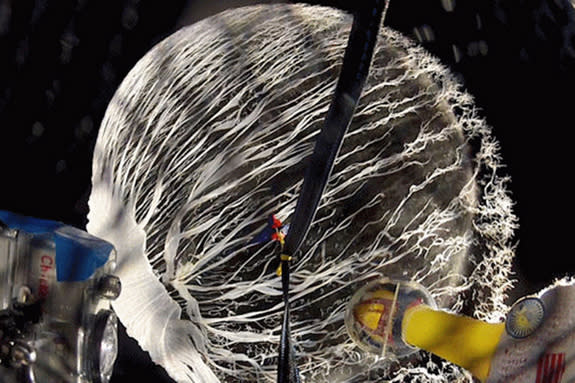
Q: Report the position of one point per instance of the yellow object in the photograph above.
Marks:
(467, 342)
(372, 309)
(375, 314)
(370, 314)
(283, 257)
(281, 238)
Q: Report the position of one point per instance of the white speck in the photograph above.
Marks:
(115, 47)
(472, 49)
(475, 48)
(456, 53)
(68, 41)
(68, 38)
(49, 96)
(56, 86)
(483, 48)
(424, 33)
(80, 4)
(129, 18)
(523, 56)
(60, 166)
(38, 129)
(87, 124)
(107, 72)
(428, 33)
(85, 127)
(501, 14)
(22, 51)
(448, 5)
(5, 16)
(561, 4)
(417, 34)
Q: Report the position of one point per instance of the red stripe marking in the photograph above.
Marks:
(561, 370)
(555, 370)
(539, 371)
(550, 368)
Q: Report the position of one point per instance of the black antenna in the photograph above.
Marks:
(355, 69)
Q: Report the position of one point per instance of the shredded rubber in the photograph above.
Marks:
(207, 137)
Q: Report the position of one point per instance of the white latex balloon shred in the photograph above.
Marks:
(208, 136)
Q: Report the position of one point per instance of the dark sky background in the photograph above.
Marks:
(62, 60)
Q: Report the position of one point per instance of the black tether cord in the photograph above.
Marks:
(354, 71)
(287, 369)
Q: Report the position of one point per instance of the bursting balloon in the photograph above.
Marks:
(203, 148)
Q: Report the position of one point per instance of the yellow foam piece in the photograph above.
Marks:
(370, 314)
(464, 341)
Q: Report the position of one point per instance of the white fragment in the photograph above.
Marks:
(448, 5)
(456, 53)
